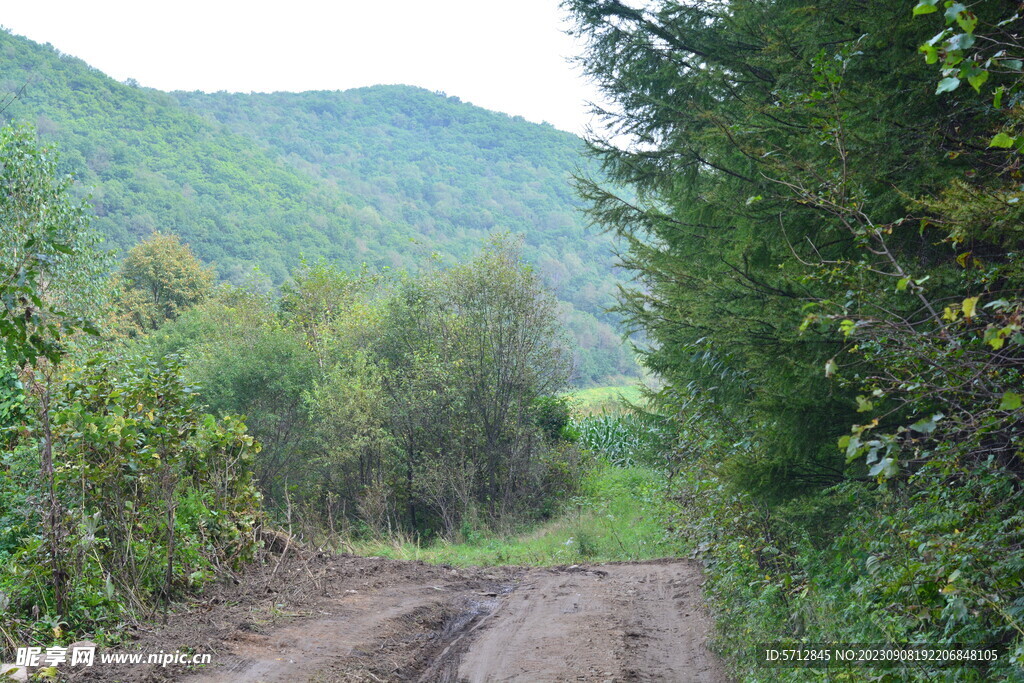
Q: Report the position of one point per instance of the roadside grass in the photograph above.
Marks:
(618, 516)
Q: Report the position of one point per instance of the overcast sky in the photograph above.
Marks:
(507, 55)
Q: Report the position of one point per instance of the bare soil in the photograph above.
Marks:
(621, 622)
(317, 617)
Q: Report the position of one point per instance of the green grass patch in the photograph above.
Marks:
(617, 516)
(598, 400)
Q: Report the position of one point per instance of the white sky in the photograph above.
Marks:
(506, 55)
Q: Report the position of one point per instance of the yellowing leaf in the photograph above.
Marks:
(968, 21)
(968, 306)
(995, 338)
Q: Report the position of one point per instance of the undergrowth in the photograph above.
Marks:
(149, 500)
(897, 565)
(617, 516)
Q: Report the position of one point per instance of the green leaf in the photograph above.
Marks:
(1014, 64)
(961, 41)
(978, 80)
(925, 7)
(953, 57)
(947, 85)
(1002, 140)
(938, 36)
(901, 285)
(953, 10)
(831, 367)
(931, 53)
(1010, 401)
(885, 468)
(852, 447)
(997, 98)
(927, 425)
(864, 404)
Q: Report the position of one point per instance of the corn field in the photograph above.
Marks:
(623, 440)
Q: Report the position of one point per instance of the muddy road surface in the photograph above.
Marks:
(318, 617)
(625, 622)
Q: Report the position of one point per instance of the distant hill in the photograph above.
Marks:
(387, 176)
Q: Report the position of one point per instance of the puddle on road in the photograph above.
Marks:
(445, 668)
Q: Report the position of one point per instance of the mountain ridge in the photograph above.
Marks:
(380, 175)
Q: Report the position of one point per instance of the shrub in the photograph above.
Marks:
(153, 497)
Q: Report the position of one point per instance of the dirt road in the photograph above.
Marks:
(314, 617)
(612, 622)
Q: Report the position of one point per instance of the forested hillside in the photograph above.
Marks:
(386, 176)
(360, 403)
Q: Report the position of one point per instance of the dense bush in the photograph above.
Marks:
(826, 241)
(902, 564)
(117, 492)
(152, 497)
(417, 403)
